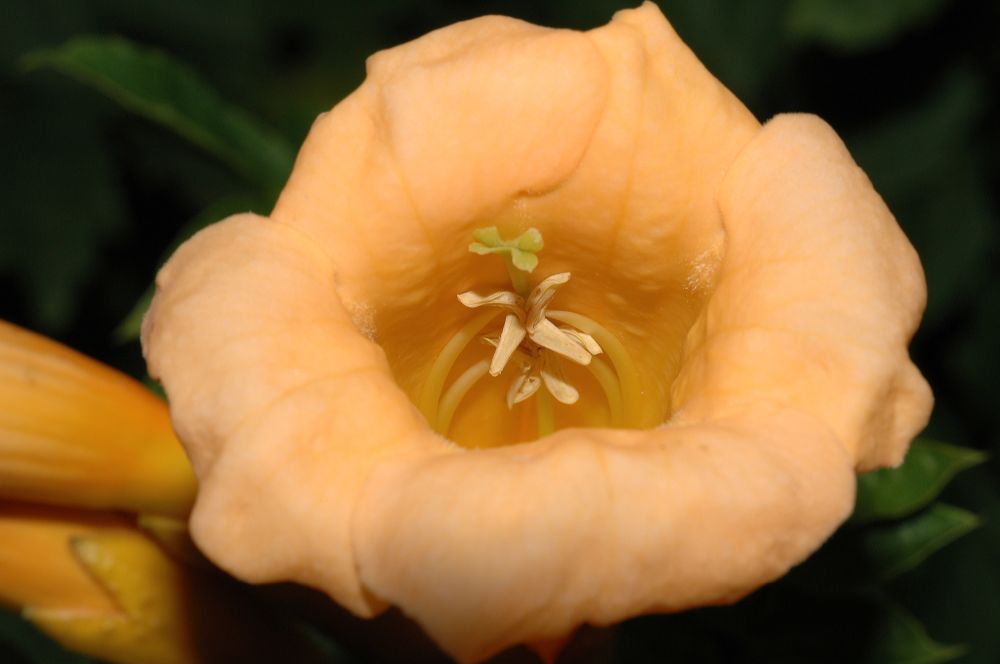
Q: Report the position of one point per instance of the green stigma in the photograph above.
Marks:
(519, 253)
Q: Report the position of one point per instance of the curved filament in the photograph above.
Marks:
(445, 360)
(608, 381)
(456, 392)
(620, 359)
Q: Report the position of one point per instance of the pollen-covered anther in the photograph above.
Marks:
(536, 341)
(523, 387)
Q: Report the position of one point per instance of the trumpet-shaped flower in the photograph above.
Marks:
(742, 294)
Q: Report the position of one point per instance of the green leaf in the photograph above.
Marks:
(858, 24)
(927, 469)
(157, 87)
(900, 547)
(955, 591)
(901, 639)
(128, 329)
(60, 202)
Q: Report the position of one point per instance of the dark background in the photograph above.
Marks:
(91, 196)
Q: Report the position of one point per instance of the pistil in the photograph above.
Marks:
(530, 340)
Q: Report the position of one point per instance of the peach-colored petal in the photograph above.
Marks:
(818, 297)
(272, 389)
(497, 547)
(611, 142)
(801, 346)
(386, 183)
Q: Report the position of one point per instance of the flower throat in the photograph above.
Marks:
(531, 344)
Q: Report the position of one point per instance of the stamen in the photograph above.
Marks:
(522, 387)
(555, 382)
(504, 299)
(631, 394)
(608, 381)
(531, 339)
(584, 339)
(547, 335)
(543, 293)
(546, 414)
(510, 338)
(457, 392)
(446, 360)
(519, 356)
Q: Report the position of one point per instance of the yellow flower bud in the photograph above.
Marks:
(98, 585)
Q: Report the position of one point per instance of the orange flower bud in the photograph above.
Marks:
(75, 432)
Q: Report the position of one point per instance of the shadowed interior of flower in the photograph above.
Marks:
(531, 344)
(559, 365)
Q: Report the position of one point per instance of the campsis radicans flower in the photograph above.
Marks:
(376, 408)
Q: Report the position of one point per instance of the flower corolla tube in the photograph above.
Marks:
(545, 329)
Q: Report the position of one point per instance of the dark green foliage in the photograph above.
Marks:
(858, 24)
(155, 86)
(927, 469)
